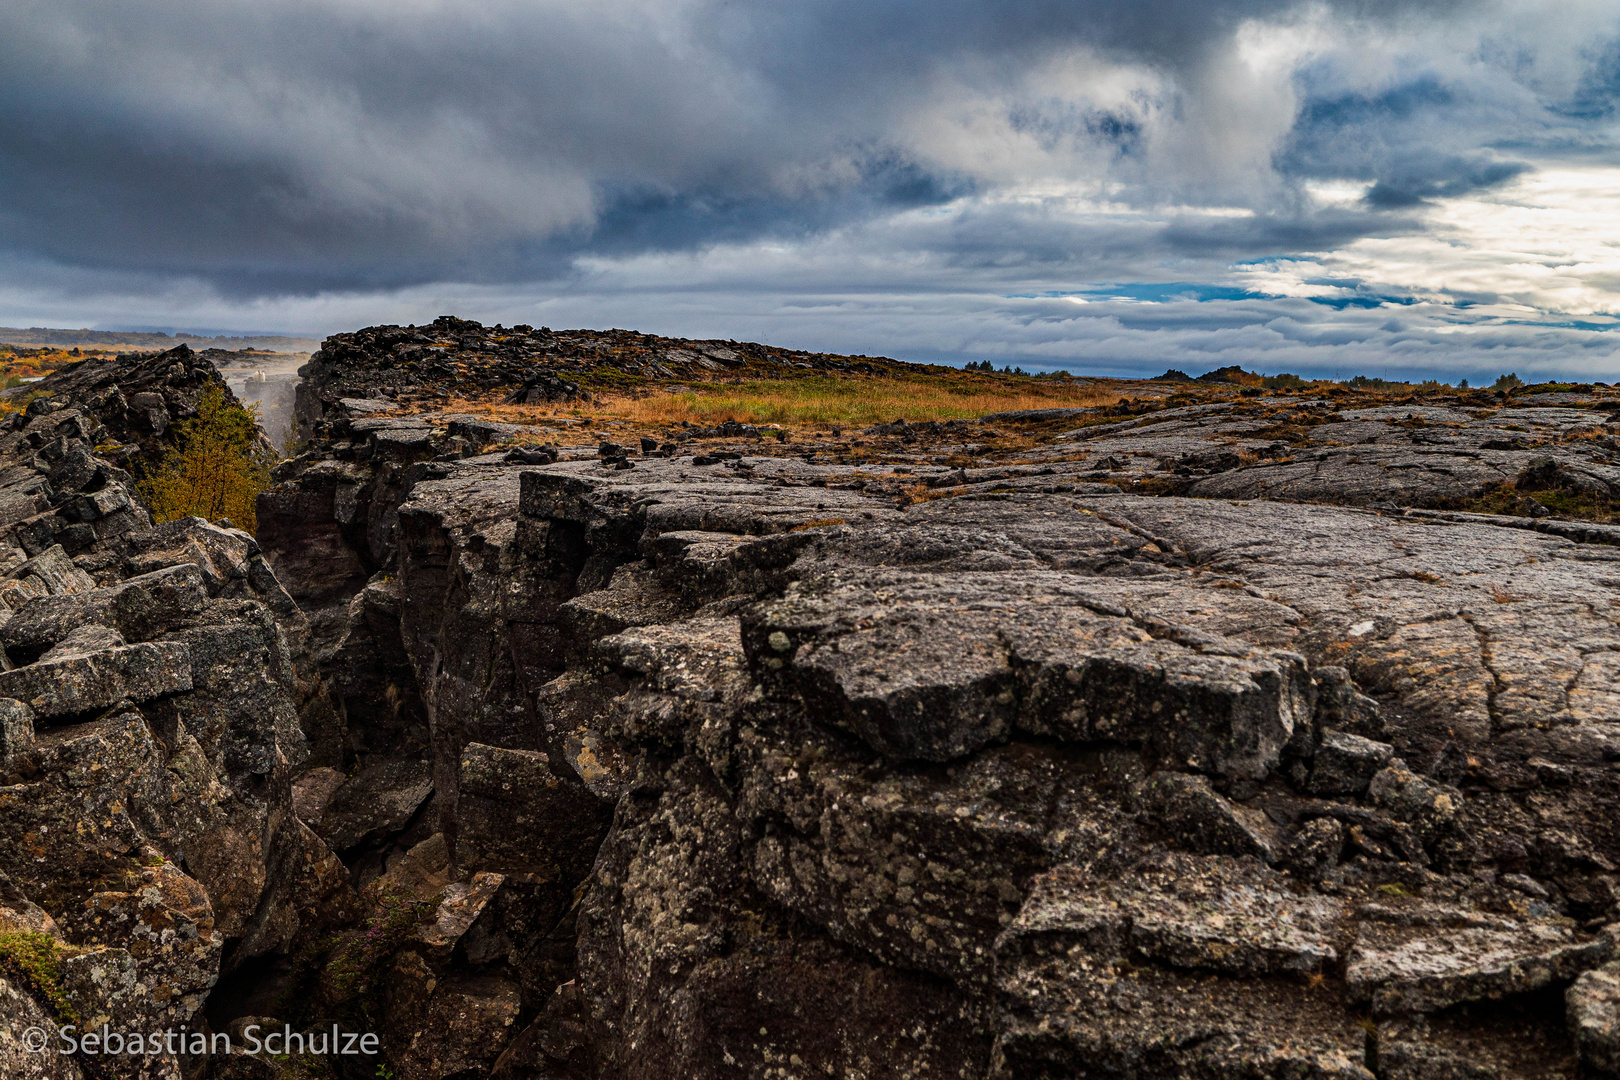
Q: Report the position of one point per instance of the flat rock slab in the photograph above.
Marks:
(1153, 1023)
(1429, 414)
(463, 903)
(661, 496)
(935, 666)
(1422, 959)
(80, 684)
(1180, 965)
(629, 600)
(138, 608)
(365, 406)
(1003, 532)
(697, 659)
(53, 569)
(1351, 432)
(1367, 475)
(1212, 913)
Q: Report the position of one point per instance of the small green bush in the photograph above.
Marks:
(215, 471)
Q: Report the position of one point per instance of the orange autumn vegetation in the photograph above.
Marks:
(810, 400)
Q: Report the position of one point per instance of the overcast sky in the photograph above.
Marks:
(1327, 188)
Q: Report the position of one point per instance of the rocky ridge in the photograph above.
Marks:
(1212, 734)
(395, 365)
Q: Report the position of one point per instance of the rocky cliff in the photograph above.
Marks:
(1216, 734)
(151, 730)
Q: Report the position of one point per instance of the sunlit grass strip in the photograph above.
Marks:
(827, 400)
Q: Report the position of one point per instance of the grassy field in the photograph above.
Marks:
(825, 400)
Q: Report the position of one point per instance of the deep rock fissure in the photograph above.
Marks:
(569, 769)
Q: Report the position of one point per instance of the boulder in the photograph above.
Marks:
(160, 952)
(1345, 764)
(139, 608)
(914, 867)
(461, 906)
(1593, 1004)
(19, 1013)
(375, 803)
(1316, 848)
(466, 1024)
(313, 791)
(515, 814)
(1187, 807)
(16, 731)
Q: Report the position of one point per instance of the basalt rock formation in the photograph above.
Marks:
(1224, 737)
(151, 731)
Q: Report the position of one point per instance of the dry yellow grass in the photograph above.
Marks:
(820, 400)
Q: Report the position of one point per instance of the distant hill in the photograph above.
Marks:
(118, 339)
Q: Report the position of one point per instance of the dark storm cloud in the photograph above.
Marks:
(1415, 141)
(1239, 238)
(315, 144)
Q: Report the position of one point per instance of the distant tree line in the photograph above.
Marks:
(987, 366)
